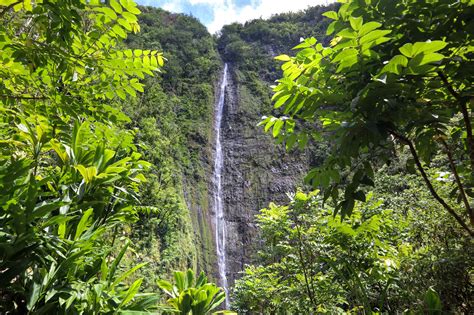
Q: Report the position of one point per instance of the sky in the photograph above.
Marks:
(217, 13)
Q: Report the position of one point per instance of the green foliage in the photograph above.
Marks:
(396, 75)
(173, 119)
(440, 252)
(251, 46)
(375, 261)
(192, 296)
(320, 263)
(432, 302)
(69, 170)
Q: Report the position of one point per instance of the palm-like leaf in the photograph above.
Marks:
(191, 295)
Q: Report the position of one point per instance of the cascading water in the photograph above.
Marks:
(220, 225)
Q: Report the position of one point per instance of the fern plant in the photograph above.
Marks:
(189, 295)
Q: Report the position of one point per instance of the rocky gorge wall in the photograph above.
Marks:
(177, 109)
(256, 171)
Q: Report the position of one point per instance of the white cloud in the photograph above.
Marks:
(226, 12)
(172, 6)
(210, 2)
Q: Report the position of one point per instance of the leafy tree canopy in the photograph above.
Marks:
(69, 170)
(396, 76)
(191, 295)
(396, 253)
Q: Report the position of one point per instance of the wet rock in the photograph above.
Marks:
(256, 171)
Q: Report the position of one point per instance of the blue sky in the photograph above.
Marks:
(216, 13)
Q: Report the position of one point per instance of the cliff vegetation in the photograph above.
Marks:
(348, 155)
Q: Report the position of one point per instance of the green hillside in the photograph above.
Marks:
(347, 177)
(174, 118)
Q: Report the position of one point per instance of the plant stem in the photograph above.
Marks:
(465, 116)
(303, 265)
(23, 97)
(458, 182)
(428, 183)
(8, 8)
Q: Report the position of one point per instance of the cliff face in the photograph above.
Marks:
(256, 172)
(179, 109)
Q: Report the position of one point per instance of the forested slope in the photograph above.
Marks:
(252, 46)
(180, 105)
(174, 119)
(347, 170)
(257, 170)
(387, 229)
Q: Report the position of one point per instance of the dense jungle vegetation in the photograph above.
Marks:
(173, 118)
(105, 147)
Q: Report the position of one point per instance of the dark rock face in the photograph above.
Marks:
(256, 172)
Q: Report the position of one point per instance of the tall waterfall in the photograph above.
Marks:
(220, 225)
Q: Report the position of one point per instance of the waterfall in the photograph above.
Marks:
(220, 225)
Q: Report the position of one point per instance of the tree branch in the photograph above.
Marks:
(465, 116)
(458, 182)
(23, 97)
(8, 8)
(428, 183)
(449, 86)
(302, 262)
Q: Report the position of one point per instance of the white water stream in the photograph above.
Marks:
(220, 225)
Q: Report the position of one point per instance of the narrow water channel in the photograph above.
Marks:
(220, 224)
